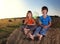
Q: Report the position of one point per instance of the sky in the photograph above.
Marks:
(19, 8)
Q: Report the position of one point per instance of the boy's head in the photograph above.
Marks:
(44, 10)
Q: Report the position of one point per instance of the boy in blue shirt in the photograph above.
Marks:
(44, 25)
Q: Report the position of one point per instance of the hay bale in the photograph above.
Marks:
(52, 37)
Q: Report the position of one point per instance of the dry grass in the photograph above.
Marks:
(7, 26)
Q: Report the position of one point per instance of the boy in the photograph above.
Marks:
(44, 25)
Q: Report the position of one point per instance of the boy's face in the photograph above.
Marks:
(44, 12)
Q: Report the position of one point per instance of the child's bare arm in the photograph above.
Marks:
(49, 24)
(25, 21)
(32, 24)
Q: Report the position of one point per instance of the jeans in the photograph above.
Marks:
(40, 30)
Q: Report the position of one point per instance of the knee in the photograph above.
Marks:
(38, 28)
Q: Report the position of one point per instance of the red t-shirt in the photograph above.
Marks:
(30, 21)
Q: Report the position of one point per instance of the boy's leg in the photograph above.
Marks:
(40, 37)
(38, 29)
(42, 33)
(35, 33)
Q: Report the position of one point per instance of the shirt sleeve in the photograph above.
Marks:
(50, 19)
(40, 19)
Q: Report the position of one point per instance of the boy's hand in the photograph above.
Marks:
(45, 27)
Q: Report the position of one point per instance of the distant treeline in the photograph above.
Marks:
(50, 16)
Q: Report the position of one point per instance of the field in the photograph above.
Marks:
(7, 26)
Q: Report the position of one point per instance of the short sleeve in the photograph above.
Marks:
(49, 19)
(40, 19)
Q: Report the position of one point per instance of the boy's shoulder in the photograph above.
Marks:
(48, 16)
(40, 16)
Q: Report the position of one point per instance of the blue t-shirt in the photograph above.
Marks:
(45, 21)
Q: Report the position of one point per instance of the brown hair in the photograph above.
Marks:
(28, 13)
(45, 8)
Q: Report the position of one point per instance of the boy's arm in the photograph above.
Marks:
(40, 24)
(49, 24)
(46, 26)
